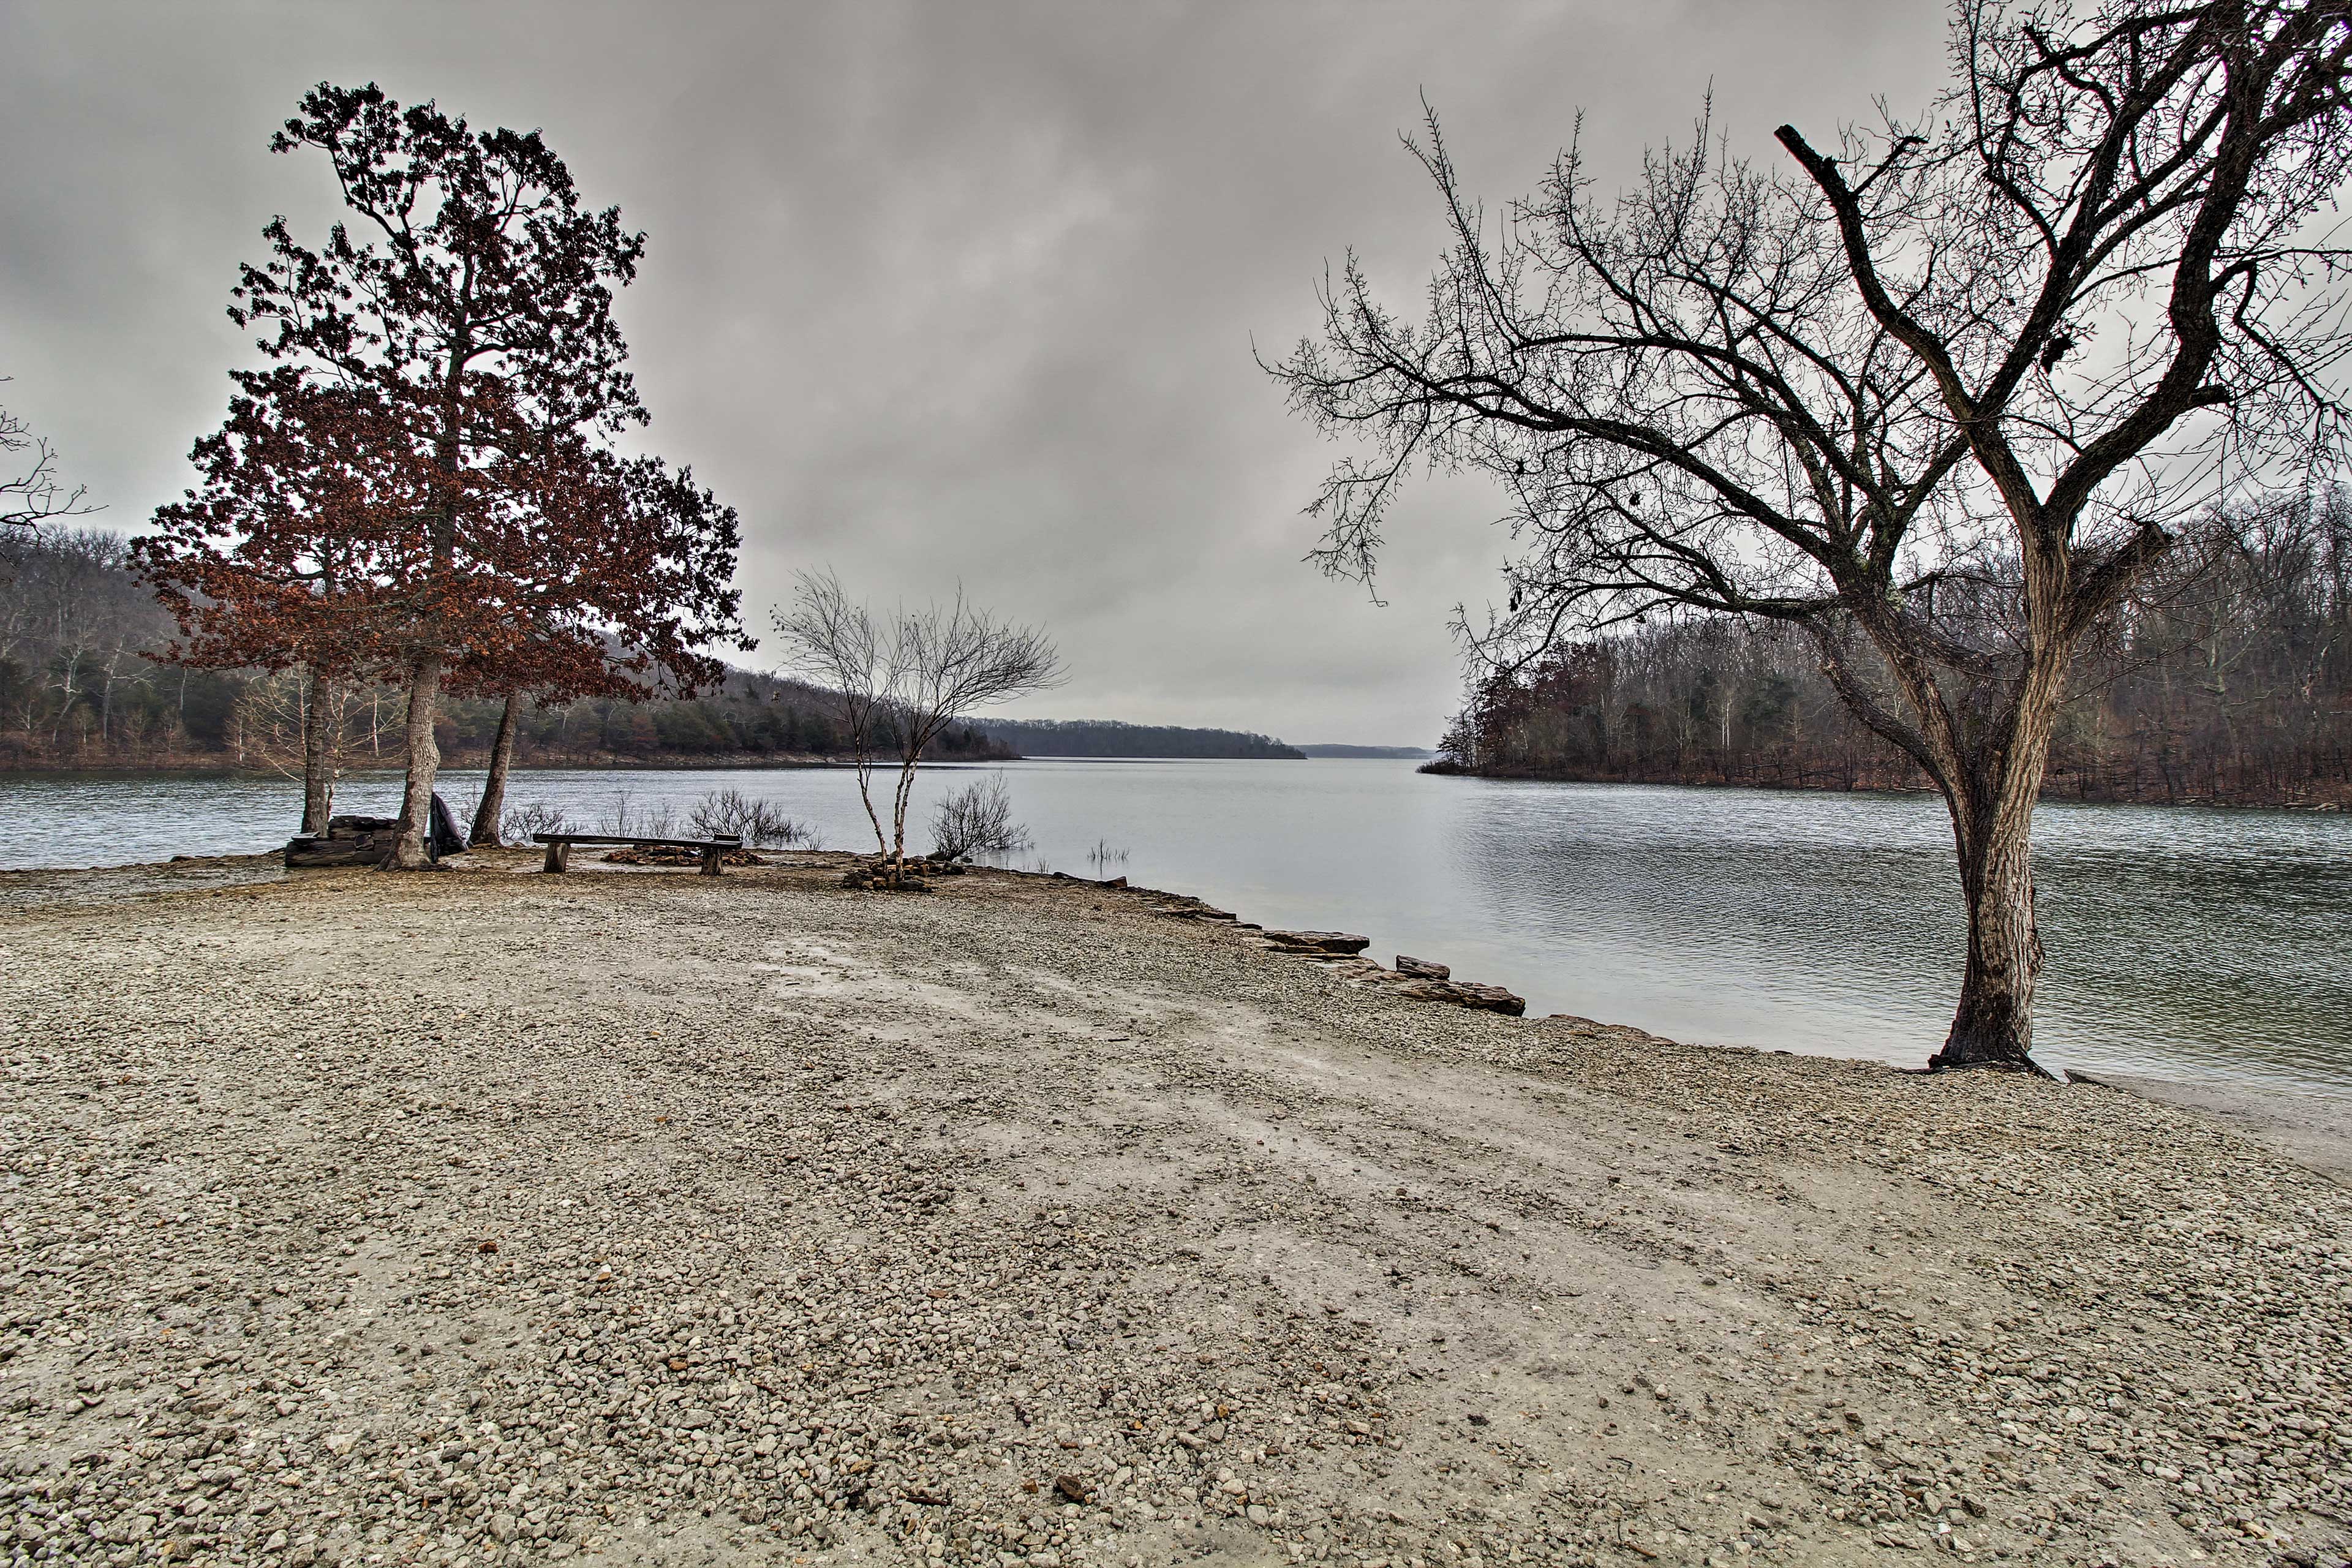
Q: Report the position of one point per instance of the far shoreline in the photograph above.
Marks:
(2312, 807)
(214, 767)
(736, 763)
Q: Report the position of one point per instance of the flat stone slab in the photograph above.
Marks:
(1463, 993)
(1319, 940)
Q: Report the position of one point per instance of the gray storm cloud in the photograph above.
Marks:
(935, 293)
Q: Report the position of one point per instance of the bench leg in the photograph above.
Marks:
(710, 861)
(555, 856)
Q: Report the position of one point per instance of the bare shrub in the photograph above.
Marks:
(729, 812)
(625, 818)
(1103, 856)
(619, 815)
(977, 820)
(519, 822)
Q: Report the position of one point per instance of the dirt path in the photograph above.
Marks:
(493, 1218)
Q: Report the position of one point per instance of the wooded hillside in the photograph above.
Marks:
(83, 685)
(2236, 687)
(1109, 738)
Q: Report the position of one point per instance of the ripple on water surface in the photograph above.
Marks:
(2187, 943)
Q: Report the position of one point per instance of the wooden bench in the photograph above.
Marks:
(559, 846)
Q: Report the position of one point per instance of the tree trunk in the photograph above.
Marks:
(865, 793)
(1990, 776)
(408, 851)
(494, 787)
(318, 772)
(898, 814)
(1992, 821)
(1994, 1026)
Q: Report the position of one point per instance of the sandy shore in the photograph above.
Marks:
(635, 1216)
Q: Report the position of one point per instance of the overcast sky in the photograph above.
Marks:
(935, 292)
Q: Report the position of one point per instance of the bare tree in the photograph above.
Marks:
(839, 646)
(297, 722)
(30, 491)
(760, 824)
(904, 681)
(955, 658)
(1949, 391)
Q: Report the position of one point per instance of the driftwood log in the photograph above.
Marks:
(356, 850)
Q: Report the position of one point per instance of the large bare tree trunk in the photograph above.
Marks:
(1991, 775)
(1992, 820)
(494, 787)
(318, 766)
(408, 852)
(1993, 1024)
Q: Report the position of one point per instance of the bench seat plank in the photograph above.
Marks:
(728, 840)
(559, 846)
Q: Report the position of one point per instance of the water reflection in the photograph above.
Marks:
(1727, 919)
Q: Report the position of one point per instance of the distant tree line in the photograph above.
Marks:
(2234, 686)
(83, 683)
(1108, 738)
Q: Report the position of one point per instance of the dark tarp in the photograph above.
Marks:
(444, 838)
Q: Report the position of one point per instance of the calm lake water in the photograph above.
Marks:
(2183, 944)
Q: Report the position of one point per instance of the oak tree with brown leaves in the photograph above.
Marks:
(579, 573)
(466, 304)
(292, 550)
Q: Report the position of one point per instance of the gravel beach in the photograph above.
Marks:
(637, 1216)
